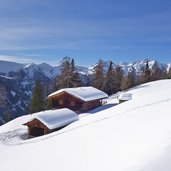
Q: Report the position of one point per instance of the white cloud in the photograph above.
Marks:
(35, 59)
(17, 59)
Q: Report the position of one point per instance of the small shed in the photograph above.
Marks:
(78, 99)
(51, 120)
(124, 97)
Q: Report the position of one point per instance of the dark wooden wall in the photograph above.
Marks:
(65, 100)
(35, 123)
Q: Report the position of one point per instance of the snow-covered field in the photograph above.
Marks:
(132, 136)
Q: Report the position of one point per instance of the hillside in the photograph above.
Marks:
(17, 81)
(132, 136)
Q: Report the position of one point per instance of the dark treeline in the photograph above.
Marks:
(114, 79)
(110, 81)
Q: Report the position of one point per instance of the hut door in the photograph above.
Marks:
(35, 131)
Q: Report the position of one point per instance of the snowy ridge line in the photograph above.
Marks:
(7, 138)
(10, 78)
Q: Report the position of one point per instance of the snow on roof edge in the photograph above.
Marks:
(84, 93)
(55, 118)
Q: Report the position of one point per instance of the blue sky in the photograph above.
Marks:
(86, 30)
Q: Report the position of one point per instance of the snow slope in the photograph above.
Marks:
(132, 136)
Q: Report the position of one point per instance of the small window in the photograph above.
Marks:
(61, 102)
(72, 103)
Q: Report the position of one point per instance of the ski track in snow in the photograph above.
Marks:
(12, 137)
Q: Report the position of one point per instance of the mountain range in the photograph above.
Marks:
(17, 81)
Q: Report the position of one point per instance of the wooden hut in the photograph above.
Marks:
(78, 99)
(51, 120)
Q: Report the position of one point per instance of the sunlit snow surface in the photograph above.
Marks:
(132, 136)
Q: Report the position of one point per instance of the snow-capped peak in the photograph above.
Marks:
(51, 71)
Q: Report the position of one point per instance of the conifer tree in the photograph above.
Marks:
(37, 102)
(169, 73)
(98, 77)
(132, 78)
(69, 76)
(49, 104)
(118, 78)
(124, 83)
(75, 77)
(7, 115)
(158, 74)
(145, 74)
(110, 80)
(64, 80)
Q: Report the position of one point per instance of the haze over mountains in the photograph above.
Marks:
(17, 81)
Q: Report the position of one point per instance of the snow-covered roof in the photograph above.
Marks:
(56, 118)
(125, 96)
(83, 93)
